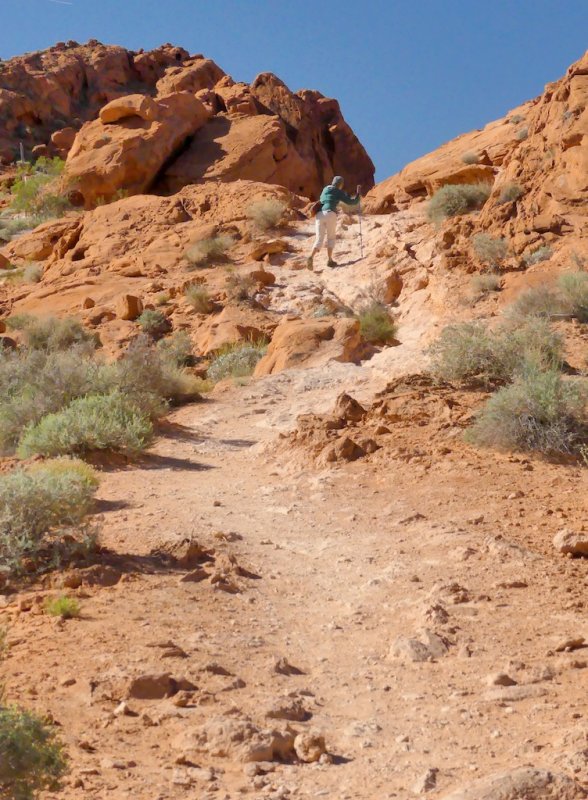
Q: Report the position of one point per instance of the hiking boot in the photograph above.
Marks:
(309, 263)
(331, 263)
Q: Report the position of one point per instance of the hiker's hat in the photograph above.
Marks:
(336, 180)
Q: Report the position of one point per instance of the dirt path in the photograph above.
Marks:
(398, 593)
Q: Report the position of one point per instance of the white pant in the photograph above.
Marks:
(326, 223)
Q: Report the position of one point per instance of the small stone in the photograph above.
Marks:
(309, 747)
(426, 782)
(500, 679)
(123, 710)
(283, 667)
(571, 542)
(67, 681)
(128, 307)
(570, 643)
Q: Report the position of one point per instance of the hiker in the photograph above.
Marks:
(326, 218)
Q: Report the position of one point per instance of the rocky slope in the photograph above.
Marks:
(540, 147)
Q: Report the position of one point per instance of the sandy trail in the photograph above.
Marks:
(340, 564)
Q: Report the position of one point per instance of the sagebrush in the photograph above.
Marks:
(376, 325)
(237, 360)
(453, 200)
(209, 251)
(266, 214)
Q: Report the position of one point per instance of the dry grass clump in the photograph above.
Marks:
(266, 214)
(469, 157)
(573, 287)
(453, 200)
(52, 334)
(489, 250)
(237, 360)
(538, 412)
(209, 251)
(510, 192)
(542, 253)
(154, 323)
(199, 299)
(239, 288)
(484, 284)
(538, 301)
(376, 325)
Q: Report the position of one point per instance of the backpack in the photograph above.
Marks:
(315, 208)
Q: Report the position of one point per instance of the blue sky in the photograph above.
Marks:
(409, 74)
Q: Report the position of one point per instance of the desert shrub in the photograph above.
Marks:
(543, 253)
(94, 422)
(574, 290)
(489, 250)
(538, 412)
(50, 333)
(162, 299)
(376, 325)
(154, 323)
(266, 214)
(176, 349)
(209, 251)
(150, 379)
(12, 226)
(64, 607)
(36, 501)
(32, 273)
(199, 299)
(470, 157)
(35, 191)
(470, 353)
(522, 134)
(34, 383)
(516, 119)
(452, 200)
(239, 287)
(538, 301)
(484, 284)
(510, 192)
(32, 758)
(236, 361)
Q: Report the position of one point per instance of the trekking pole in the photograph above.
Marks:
(360, 233)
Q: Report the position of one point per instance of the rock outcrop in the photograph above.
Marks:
(122, 104)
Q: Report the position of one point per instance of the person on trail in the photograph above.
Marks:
(326, 218)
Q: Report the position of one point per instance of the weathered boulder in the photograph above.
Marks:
(303, 342)
(128, 307)
(573, 542)
(233, 324)
(127, 155)
(133, 105)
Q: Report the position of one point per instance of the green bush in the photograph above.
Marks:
(574, 289)
(236, 361)
(470, 353)
(516, 119)
(35, 191)
(510, 192)
(39, 500)
(64, 607)
(538, 412)
(452, 200)
(154, 323)
(522, 134)
(209, 251)
(266, 214)
(489, 250)
(376, 325)
(199, 299)
(52, 334)
(94, 422)
(543, 253)
(32, 758)
(538, 301)
(34, 383)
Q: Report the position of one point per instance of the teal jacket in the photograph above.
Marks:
(331, 196)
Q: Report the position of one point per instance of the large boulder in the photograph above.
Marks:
(304, 342)
(126, 148)
(233, 324)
